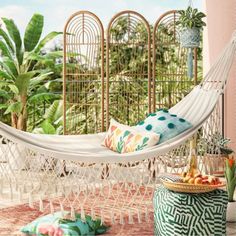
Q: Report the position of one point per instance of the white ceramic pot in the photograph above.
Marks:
(231, 212)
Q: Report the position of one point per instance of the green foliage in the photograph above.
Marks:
(14, 34)
(191, 18)
(21, 72)
(33, 32)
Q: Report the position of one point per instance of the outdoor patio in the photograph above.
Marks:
(118, 124)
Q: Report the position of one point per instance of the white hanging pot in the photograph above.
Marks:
(190, 37)
(231, 212)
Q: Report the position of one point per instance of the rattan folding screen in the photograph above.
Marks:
(144, 68)
(83, 88)
(128, 67)
(170, 83)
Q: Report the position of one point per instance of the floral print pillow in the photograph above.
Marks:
(58, 225)
(123, 138)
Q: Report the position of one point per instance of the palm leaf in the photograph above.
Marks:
(37, 80)
(7, 40)
(33, 32)
(43, 97)
(14, 107)
(48, 128)
(14, 33)
(5, 75)
(54, 55)
(4, 49)
(13, 88)
(22, 81)
(46, 39)
(9, 65)
(3, 106)
(54, 112)
(4, 94)
(33, 56)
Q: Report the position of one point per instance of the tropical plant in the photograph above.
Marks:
(230, 178)
(52, 120)
(191, 18)
(21, 76)
(217, 144)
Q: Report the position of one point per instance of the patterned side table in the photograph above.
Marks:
(181, 214)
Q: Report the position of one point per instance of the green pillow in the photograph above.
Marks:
(164, 123)
(56, 225)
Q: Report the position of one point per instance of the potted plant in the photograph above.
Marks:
(191, 24)
(230, 183)
(216, 152)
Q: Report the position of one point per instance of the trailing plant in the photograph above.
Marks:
(191, 18)
(21, 76)
(230, 178)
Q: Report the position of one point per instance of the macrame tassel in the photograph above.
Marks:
(190, 63)
(146, 215)
(82, 214)
(51, 207)
(131, 220)
(62, 209)
(139, 217)
(16, 186)
(102, 217)
(30, 201)
(11, 192)
(94, 190)
(112, 217)
(20, 195)
(121, 218)
(1, 187)
(24, 189)
(41, 205)
(72, 213)
(93, 214)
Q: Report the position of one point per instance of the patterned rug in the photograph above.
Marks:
(13, 218)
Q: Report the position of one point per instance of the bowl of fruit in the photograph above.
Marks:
(193, 183)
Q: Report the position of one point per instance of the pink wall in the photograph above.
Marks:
(221, 22)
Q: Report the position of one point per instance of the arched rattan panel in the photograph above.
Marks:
(83, 90)
(170, 81)
(128, 68)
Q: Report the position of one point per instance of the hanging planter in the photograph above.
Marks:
(190, 37)
(191, 24)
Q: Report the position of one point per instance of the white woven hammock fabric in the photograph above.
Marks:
(78, 173)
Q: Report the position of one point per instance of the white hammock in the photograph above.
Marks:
(29, 162)
(196, 108)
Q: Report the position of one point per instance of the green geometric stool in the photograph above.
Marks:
(187, 214)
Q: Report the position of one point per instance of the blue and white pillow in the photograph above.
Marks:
(163, 123)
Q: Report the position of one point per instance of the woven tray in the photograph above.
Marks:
(190, 188)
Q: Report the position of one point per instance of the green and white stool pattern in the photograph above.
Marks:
(182, 214)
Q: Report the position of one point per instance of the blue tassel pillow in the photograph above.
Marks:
(163, 123)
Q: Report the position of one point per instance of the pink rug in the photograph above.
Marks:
(13, 218)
